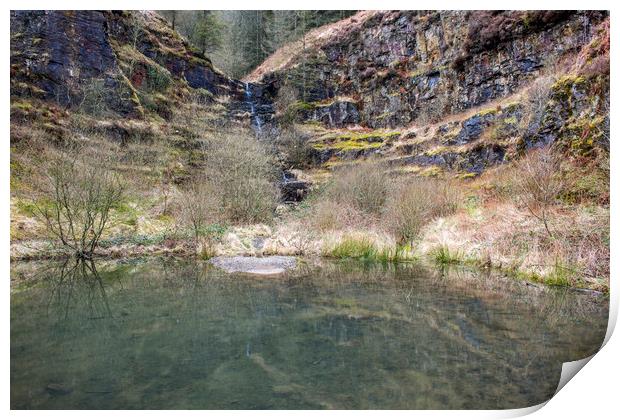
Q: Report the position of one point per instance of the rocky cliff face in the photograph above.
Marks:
(398, 66)
(129, 63)
(421, 82)
(425, 91)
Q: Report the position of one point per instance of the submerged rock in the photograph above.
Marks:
(255, 265)
(58, 389)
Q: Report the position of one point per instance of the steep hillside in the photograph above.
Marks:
(125, 87)
(450, 90)
(113, 64)
(435, 125)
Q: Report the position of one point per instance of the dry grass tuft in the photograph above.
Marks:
(417, 201)
(364, 187)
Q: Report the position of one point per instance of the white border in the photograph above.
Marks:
(593, 394)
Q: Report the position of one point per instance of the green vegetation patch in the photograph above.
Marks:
(355, 141)
(22, 105)
(466, 175)
(438, 150)
(589, 185)
(350, 247)
(27, 208)
(442, 255)
(488, 111)
(303, 106)
(349, 145)
(365, 249)
(511, 120)
(158, 78)
(582, 134)
(562, 88)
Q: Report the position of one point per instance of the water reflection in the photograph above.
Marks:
(77, 282)
(167, 333)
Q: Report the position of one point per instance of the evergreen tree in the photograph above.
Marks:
(207, 33)
(237, 41)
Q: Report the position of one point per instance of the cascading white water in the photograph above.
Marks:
(254, 114)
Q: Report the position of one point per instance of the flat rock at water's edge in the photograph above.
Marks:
(255, 265)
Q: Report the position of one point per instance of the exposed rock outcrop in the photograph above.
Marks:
(401, 65)
(453, 89)
(293, 189)
(434, 90)
(127, 63)
(54, 54)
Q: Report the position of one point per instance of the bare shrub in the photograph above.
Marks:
(538, 93)
(78, 196)
(295, 148)
(354, 197)
(325, 215)
(93, 97)
(535, 20)
(487, 28)
(490, 27)
(329, 214)
(363, 186)
(539, 183)
(497, 184)
(593, 59)
(241, 174)
(537, 97)
(598, 65)
(201, 96)
(286, 102)
(166, 183)
(301, 242)
(286, 98)
(199, 207)
(199, 210)
(417, 201)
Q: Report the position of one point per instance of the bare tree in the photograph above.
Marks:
(540, 184)
(199, 207)
(93, 97)
(166, 182)
(363, 185)
(77, 201)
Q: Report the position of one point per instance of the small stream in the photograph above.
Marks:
(250, 100)
(179, 334)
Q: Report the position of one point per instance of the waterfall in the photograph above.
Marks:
(253, 114)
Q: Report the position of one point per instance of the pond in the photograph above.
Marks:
(179, 334)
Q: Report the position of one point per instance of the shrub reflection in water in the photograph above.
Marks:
(166, 333)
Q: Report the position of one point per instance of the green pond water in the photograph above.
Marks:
(174, 334)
